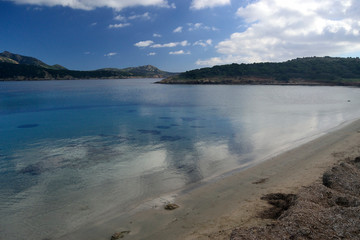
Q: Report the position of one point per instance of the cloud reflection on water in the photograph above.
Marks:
(81, 162)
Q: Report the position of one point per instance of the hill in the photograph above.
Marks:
(18, 67)
(300, 71)
(19, 59)
(146, 71)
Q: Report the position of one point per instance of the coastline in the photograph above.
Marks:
(254, 80)
(214, 209)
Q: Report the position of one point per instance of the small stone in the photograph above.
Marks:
(171, 206)
(116, 235)
(305, 231)
(119, 235)
(260, 181)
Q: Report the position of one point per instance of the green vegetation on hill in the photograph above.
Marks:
(17, 67)
(310, 71)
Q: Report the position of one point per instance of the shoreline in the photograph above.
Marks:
(211, 210)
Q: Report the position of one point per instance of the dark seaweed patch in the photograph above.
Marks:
(28, 126)
(171, 138)
(153, 132)
(33, 169)
(186, 168)
(197, 126)
(188, 119)
(281, 202)
(165, 118)
(113, 136)
(163, 127)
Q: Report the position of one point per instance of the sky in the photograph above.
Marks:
(178, 35)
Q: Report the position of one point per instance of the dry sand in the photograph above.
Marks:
(214, 209)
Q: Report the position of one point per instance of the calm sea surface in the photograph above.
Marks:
(71, 151)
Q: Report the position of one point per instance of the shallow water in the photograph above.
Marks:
(70, 151)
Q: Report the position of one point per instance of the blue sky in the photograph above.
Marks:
(177, 35)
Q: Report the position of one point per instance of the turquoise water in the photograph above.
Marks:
(71, 151)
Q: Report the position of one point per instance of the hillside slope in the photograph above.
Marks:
(303, 71)
(19, 59)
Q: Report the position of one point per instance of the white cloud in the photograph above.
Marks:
(171, 44)
(110, 54)
(91, 4)
(151, 44)
(180, 52)
(178, 30)
(199, 26)
(120, 25)
(157, 35)
(200, 4)
(120, 18)
(203, 43)
(280, 30)
(144, 43)
(145, 16)
(152, 54)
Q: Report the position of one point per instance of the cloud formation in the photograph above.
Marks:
(200, 26)
(178, 30)
(281, 30)
(171, 44)
(180, 52)
(146, 43)
(151, 44)
(201, 4)
(120, 25)
(145, 16)
(91, 4)
(203, 43)
(110, 54)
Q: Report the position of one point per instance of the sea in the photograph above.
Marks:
(72, 151)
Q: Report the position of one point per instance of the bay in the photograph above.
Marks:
(72, 151)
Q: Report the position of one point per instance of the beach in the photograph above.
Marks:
(212, 210)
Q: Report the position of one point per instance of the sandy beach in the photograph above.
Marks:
(214, 209)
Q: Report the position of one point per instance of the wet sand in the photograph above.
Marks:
(212, 210)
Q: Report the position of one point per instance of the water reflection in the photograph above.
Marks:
(114, 146)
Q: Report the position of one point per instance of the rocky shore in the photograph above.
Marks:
(326, 209)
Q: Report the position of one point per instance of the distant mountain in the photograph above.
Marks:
(19, 59)
(146, 71)
(300, 71)
(18, 67)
